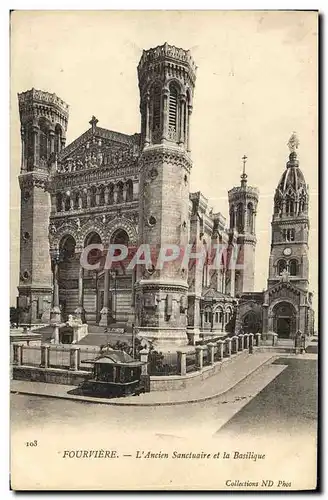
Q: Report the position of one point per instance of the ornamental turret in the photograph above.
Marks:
(43, 118)
(243, 201)
(290, 224)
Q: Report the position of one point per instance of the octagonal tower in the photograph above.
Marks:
(43, 118)
(166, 81)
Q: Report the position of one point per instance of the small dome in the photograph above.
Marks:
(293, 176)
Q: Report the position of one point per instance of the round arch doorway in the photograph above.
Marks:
(251, 322)
(284, 320)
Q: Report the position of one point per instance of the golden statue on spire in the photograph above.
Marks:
(293, 143)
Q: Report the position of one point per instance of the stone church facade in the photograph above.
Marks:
(109, 188)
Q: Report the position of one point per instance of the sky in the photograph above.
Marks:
(256, 84)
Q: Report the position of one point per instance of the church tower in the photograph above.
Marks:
(166, 81)
(290, 225)
(43, 118)
(243, 202)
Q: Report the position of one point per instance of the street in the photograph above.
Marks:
(281, 396)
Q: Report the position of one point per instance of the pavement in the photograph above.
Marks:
(231, 374)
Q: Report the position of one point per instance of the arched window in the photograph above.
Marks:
(250, 217)
(302, 202)
(289, 234)
(289, 205)
(67, 203)
(101, 195)
(293, 267)
(281, 266)
(110, 194)
(232, 217)
(84, 198)
(120, 192)
(76, 201)
(44, 141)
(156, 114)
(129, 190)
(173, 112)
(67, 248)
(240, 217)
(92, 196)
(58, 136)
(216, 317)
(59, 202)
(95, 255)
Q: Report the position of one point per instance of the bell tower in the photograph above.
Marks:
(290, 225)
(243, 201)
(166, 82)
(43, 118)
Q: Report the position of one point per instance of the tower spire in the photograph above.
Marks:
(244, 175)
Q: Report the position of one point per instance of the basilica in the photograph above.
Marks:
(107, 187)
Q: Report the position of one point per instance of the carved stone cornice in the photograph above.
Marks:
(248, 192)
(34, 179)
(157, 155)
(101, 175)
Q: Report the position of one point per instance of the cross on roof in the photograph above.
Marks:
(93, 122)
(244, 175)
(244, 158)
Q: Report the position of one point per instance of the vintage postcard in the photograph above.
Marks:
(164, 250)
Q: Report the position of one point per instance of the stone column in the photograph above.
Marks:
(35, 130)
(220, 344)
(234, 342)
(210, 347)
(52, 140)
(135, 191)
(115, 194)
(257, 339)
(182, 363)
(105, 310)
(199, 357)
(80, 312)
(44, 356)
(125, 189)
(106, 195)
(88, 199)
(62, 142)
(265, 320)
(147, 131)
(274, 339)
(17, 354)
(23, 154)
(165, 114)
(55, 316)
(189, 115)
(182, 102)
(251, 343)
(144, 359)
(228, 346)
(55, 334)
(74, 358)
(97, 197)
